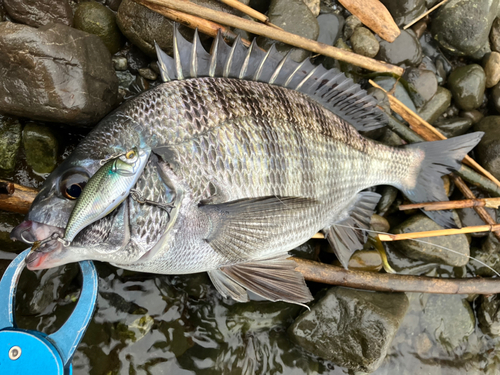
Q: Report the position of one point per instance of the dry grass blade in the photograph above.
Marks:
(279, 35)
(425, 14)
(427, 131)
(249, 12)
(438, 233)
(451, 205)
(375, 16)
(16, 198)
(194, 22)
(382, 282)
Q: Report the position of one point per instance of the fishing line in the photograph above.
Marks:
(427, 243)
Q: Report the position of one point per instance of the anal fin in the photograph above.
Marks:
(347, 235)
(274, 279)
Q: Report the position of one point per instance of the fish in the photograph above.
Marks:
(255, 153)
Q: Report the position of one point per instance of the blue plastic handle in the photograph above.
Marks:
(39, 346)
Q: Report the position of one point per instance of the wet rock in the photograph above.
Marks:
(9, 221)
(495, 97)
(491, 65)
(387, 83)
(313, 6)
(462, 26)
(449, 319)
(40, 147)
(39, 12)
(389, 194)
(451, 127)
(306, 251)
(364, 42)
(330, 28)
(295, 17)
(424, 85)
(10, 141)
(488, 150)
(474, 115)
(64, 74)
(406, 11)
(489, 254)
(364, 260)
(95, 18)
(351, 24)
(379, 223)
(143, 26)
(120, 63)
(431, 49)
(352, 328)
(428, 252)
(405, 50)
(419, 28)
(437, 106)
(489, 314)
(148, 74)
(495, 35)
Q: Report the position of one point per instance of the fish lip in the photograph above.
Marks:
(30, 231)
(46, 257)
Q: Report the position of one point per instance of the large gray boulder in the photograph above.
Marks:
(55, 73)
(39, 12)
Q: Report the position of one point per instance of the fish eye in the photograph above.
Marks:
(130, 155)
(72, 183)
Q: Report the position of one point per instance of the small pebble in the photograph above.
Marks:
(364, 43)
(467, 85)
(313, 6)
(120, 63)
(474, 115)
(148, 74)
(437, 106)
(351, 24)
(495, 35)
(419, 28)
(491, 65)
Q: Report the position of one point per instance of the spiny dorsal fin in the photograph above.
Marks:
(331, 88)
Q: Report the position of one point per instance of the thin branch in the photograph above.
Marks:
(249, 12)
(451, 205)
(425, 14)
(16, 198)
(438, 233)
(381, 282)
(279, 35)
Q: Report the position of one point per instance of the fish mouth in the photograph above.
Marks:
(46, 254)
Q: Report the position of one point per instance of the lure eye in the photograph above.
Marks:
(72, 184)
(130, 155)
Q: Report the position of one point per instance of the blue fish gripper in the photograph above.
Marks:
(23, 351)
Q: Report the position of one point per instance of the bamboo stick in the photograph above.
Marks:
(249, 12)
(451, 205)
(426, 130)
(279, 35)
(438, 233)
(425, 14)
(16, 198)
(374, 15)
(381, 282)
(194, 22)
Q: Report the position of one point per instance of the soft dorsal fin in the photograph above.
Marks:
(331, 88)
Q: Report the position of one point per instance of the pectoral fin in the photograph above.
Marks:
(274, 279)
(347, 235)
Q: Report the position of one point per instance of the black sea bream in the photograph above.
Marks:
(256, 155)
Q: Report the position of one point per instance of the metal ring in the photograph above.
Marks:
(25, 240)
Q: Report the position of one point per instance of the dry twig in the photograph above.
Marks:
(451, 205)
(327, 274)
(425, 14)
(250, 12)
(375, 16)
(438, 233)
(279, 35)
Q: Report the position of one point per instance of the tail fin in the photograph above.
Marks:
(441, 157)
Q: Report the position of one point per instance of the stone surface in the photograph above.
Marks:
(365, 260)
(428, 252)
(495, 97)
(488, 150)
(467, 85)
(462, 26)
(389, 194)
(120, 63)
(8, 221)
(39, 12)
(495, 35)
(488, 314)
(451, 127)
(351, 24)
(295, 17)
(437, 106)
(63, 75)
(405, 11)
(95, 18)
(422, 84)
(148, 74)
(330, 28)
(352, 328)
(491, 65)
(364, 42)
(387, 83)
(474, 115)
(379, 223)
(40, 147)
(405, 50)
(10, 141)
(313, 6)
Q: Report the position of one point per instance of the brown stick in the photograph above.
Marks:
(280, 35)
(438, 233)
(374, 15)
(16, 198)
(427, 131)
(451, 205)
(423, 15)
(193, 22)
(250, 12)
(327, 274)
